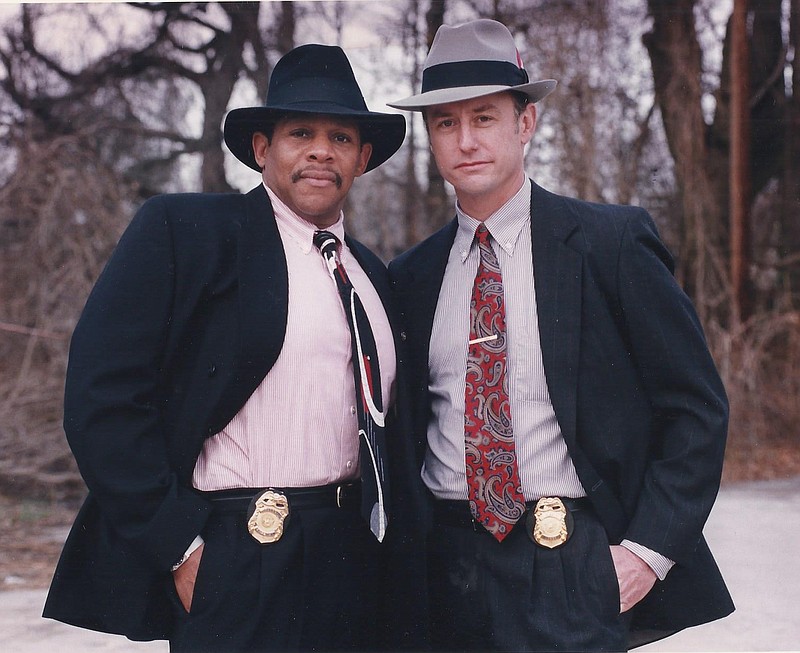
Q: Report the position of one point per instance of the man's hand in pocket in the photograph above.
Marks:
(185, 576)
(635, 577)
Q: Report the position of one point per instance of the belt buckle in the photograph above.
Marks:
(549, 524)
(268, 514)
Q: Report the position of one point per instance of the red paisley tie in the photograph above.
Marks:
(495, 492)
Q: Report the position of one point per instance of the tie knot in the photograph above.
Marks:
(325, 241)
(482, 234)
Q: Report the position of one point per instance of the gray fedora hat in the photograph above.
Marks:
(472, 60)
(314, 79)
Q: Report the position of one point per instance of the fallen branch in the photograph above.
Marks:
(29, 331)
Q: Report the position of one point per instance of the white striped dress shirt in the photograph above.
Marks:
(544, 463)
(300, 428)
(545, 466)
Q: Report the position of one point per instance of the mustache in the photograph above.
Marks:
(297, 176)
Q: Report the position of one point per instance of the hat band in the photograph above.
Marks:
(472, 73)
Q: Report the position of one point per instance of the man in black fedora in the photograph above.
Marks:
(569, 421)
(229, 396)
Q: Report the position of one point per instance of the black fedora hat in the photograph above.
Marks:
(314, 79)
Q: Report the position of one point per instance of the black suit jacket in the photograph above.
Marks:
(184, 323)
(636, 393)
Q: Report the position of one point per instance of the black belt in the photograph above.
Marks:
(337, 495)
(456, 513)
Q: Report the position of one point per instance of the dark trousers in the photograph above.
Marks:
(314, 589)
(518, 596)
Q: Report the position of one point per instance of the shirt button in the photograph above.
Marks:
(352, 410)
(349, 464)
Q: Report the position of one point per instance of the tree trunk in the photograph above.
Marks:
(217, 85)
(740, 185)
(286, 30)
(767, 100)
(412, 206)
(676, 60)
(790, 227)
(437, 204)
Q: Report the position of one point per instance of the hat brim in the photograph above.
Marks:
(385, 131)
(534, 90)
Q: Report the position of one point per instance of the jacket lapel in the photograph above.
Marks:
(376, 274)
(421, 290)
(263, 290)
(557, 277)
(263, 303)
(419, 294)
(558, 269)
(259, 325)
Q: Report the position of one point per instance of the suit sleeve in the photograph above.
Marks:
(686, 395)
(114, 398)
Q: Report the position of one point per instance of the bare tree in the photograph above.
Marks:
(740, 163)
(789, 238)
(415, 208)
(90, 133)
(437, 203)
(676, 60)
(701, 148)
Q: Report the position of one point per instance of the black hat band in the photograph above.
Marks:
(472, 73)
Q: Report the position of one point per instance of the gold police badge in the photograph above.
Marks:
(268, 512)
(548, 523)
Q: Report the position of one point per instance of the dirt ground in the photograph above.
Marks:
(31, 536)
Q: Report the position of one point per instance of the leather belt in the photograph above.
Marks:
(268, 509)
(337, 495)
(457, 513)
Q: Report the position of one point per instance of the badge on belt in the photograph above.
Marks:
(549, 524)
(267, 514)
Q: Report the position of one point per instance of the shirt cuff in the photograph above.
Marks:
(196, 544)
(658, 563)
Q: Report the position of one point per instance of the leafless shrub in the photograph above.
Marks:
(759, 360)
(60, 214)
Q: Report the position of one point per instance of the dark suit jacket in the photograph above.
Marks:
(634, 388)
(185, 321)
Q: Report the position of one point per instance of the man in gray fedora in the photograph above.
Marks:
(229, 396)
(569, 422)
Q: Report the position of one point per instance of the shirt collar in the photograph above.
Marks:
(505, 224)
(301, 231)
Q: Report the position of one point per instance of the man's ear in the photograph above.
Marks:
(260, 145)
(527, 123)
(364, 157)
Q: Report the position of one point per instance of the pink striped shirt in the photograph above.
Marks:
(299, 428)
